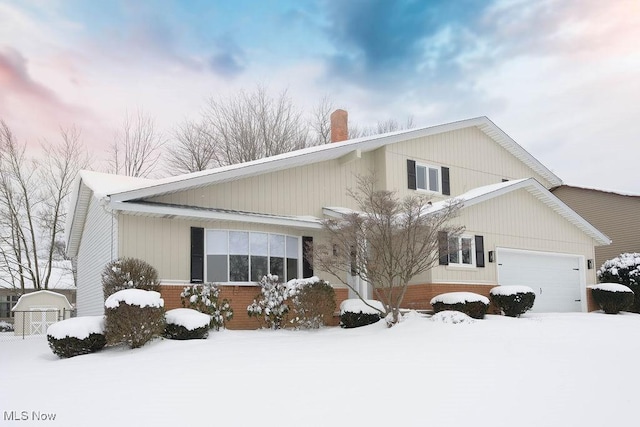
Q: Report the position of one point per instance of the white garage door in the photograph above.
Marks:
(555, 278)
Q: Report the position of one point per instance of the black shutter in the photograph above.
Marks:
(197, 255)
(307, 245)
(443, 247)
(479, 251)
(411, 174)
(446, 186)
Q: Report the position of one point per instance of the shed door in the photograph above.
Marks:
(555, 278)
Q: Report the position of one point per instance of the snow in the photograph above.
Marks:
(103, 184)
(511, 290)
(459, 298)
(137, 297)
(453, 317)
(356, 305)
(187, 317)
(611, 287)
(537, 370)
(77, 327)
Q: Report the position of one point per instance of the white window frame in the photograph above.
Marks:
(427, 180)
(472, 249)
(252, 283)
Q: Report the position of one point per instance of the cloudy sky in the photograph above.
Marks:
(561, 77)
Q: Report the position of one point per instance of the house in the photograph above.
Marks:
(615, 214)
(232, 224)
(36, 311)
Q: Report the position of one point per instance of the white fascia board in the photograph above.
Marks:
(79, 204)
(203, 214)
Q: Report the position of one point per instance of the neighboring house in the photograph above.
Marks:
(232, 224)
(615, 214)
(61, 281)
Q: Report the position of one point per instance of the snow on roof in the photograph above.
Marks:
(104, 184)
(31, 295)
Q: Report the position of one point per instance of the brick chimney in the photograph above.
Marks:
(339, 130)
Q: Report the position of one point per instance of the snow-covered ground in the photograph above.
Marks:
(539, 370)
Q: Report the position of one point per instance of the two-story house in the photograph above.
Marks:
(232, 224)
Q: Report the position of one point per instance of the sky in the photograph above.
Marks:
(561, 77)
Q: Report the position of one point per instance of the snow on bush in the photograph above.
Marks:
(186, 323)
(513, 300)
(314, 302)
(450, 316)
(470, 303)
(355, 313)
(205, 299)
(134, 316)
(612, 297)
(271, 304)
(623, 269)
(5, 326)
(129, 273)
(76, 336)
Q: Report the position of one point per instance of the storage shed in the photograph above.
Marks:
(35, 311)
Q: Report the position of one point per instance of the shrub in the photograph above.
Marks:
(271, 304)
(76, 336)
(205, 299)
(355, 313)
(469, 303)
(612, 297)
(134, 316)
(314, 302)
(129, 273)
(625, 270)
(513, 300)
(186, 324)
(6, 326)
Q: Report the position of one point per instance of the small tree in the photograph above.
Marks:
(205, 299)
(129, 273)
(386, 244)
(623, 269)
(271, 304)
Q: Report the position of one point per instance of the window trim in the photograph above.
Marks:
(472, 250)
(249, 232)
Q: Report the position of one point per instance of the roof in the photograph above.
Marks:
(596, 190)
(118, 189)
(25, 297)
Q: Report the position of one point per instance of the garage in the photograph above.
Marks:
(557, 279)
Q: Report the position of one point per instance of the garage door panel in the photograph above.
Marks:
(555, 278)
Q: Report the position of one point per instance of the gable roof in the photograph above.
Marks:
(328, 152)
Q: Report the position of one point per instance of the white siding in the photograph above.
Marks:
(95, 252)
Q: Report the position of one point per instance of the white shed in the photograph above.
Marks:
(35, 311)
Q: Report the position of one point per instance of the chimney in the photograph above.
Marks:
(339, 130)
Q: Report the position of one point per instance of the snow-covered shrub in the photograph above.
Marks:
(76, 336)
(513, 300)
(355, 313)
(186, 324)
(6, 326)
(469, 303)
(205, 299)
(271, 304)
(623, 269)
(314, 302)
(612, 297)
(129, 273)
(134, 316)
(452, 317)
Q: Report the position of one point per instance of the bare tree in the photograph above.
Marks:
(33, 197)
(321, 121)
(192, 151)
(386, 126)
(137, 147)
(253, 125)
(387, 243)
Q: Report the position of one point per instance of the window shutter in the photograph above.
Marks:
(479, 251)
(443, 247)
(307, 269)
(197, 255)
(411, 174)
(446, 188)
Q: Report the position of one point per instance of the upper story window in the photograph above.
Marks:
(427, 178)
(242, 256)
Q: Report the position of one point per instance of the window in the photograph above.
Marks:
(7, 302)
(242, 256)
(428, 178)
(461, 250)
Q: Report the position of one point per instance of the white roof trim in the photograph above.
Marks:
(170, 211)
(329, 152)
